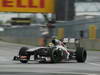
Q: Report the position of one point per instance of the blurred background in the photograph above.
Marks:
(72, 19)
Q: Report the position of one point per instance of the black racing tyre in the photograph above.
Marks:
(81, 55)
(24, 61)
(56, 56)
(23, 52)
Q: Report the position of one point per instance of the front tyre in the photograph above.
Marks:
(81, 55)
(23, 56)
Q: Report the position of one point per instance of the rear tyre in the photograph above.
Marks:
(81, 55)
(23, 53)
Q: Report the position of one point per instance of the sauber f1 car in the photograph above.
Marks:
(51, 54)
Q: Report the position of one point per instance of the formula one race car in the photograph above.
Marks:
(51, 54)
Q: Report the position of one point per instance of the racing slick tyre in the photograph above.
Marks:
(23, 56)
(56, 56)
(81, 55)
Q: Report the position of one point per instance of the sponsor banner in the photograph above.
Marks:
(92, 32)
(35, 6)
(60, 33)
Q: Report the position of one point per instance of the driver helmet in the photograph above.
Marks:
(55, 41)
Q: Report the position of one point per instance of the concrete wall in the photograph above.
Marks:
(91, 44)
(25, 35)
(71, 29)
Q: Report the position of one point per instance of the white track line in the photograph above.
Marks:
(92, 74)
(94, 64)
(73, 73)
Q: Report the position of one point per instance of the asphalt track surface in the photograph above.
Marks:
(9, 67)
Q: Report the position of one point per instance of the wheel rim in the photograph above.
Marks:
(56, 56)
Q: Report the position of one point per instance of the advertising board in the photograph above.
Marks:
(35, 6)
